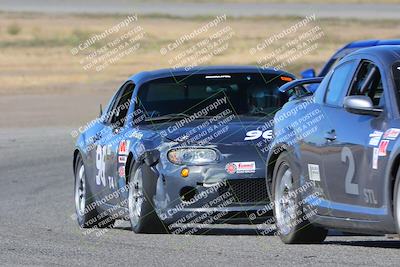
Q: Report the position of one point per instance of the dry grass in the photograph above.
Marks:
(38, 58)
(295, 1)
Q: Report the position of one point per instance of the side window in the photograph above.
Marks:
(121, 106)
(336, 87)
(368, 82)
(108, 112)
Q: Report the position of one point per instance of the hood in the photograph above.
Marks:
(227, 130)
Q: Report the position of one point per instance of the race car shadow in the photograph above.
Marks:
(368, 243)
(209, 230)
(214, 230)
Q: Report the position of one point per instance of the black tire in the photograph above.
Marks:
(142, 189)
(86, 215)
(292, 225)
(396, 201)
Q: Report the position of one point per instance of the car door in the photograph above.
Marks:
(100, 149)
(351, 155)
(116, 137)
(319, 138)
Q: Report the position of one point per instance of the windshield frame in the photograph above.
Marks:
(281, 78)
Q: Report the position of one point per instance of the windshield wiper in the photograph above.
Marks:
(170, 116)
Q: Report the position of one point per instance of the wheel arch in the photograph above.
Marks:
(394, 169)
(128, 164)
(76, 153)
(274, 155)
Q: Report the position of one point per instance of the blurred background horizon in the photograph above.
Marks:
(39, 69)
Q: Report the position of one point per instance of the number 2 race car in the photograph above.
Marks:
(335, 159)
(178, 146)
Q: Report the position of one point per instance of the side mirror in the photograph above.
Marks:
(101, 111)
(360, 104)
(292, 88)
(308, 73)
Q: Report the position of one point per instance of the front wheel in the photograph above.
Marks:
(292, 224)
(142, 188)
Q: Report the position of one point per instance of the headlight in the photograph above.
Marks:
(192, 156)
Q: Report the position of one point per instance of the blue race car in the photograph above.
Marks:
(345, 50)
(177, 146)
(334, 161)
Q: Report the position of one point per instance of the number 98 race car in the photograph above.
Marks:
(178, 146)
(335, 157)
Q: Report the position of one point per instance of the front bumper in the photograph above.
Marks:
(228, 199)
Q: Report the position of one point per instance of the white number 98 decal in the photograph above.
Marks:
(255, 134)
(100, 165)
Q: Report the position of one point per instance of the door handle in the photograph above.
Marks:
(330, 135)
(116, 130)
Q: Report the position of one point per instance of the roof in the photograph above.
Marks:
(389, 52)
(369, 43)
(145, 76)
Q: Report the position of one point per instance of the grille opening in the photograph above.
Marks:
(247, 190)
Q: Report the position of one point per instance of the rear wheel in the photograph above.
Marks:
(396, 202)
(142, 188)
(291, 221)
(87, 216)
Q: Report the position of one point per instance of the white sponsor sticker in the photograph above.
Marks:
(109, 150)
(313, 172)
(137, 134)
(122, 159)
(375, 137)
(375, 158)
(218, 76)
(241, 167)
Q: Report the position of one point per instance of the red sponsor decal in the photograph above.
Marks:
(123, 148)
(241, 167)
(383, 145)
(392, 133)
(246, 166)
(121, 171)
(230, 168)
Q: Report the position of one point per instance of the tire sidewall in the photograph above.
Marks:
(147, 212)
(282, 162)
(82, 219)
(90, 218)
(396, 204)
(133, 169)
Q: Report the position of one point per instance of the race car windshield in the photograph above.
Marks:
(209, 95)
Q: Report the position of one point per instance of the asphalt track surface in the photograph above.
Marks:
(36, 204)
(36, 182)
(191, 8)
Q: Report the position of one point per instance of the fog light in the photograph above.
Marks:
(187, 193)
(185, 172)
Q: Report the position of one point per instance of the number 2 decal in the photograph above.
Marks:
(350, 187)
